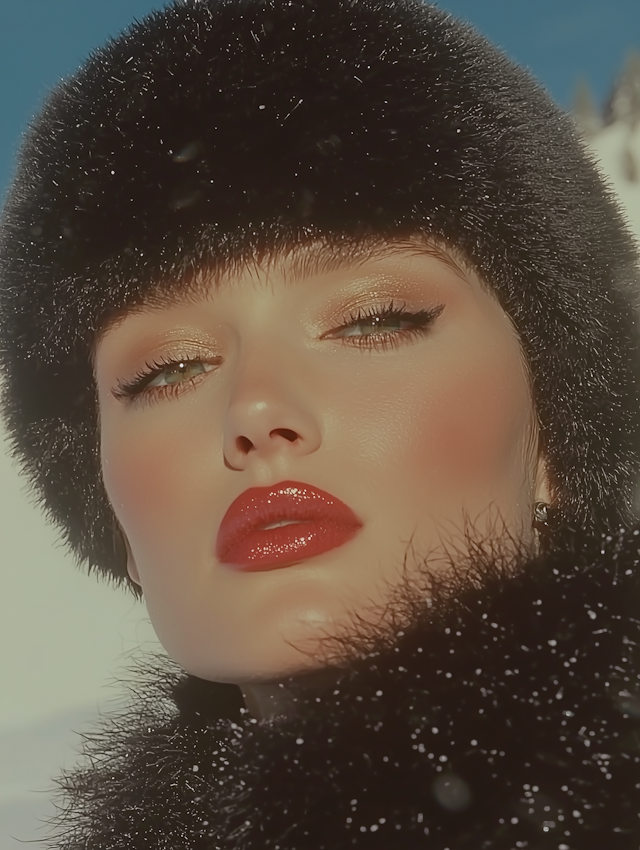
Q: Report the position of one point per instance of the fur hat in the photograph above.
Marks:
(217, 131)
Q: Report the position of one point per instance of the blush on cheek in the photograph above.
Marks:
(142, 480)
(473, 429)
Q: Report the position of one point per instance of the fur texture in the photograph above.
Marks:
(219, 131)
(507, 717)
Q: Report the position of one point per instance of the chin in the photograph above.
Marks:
(272, 631)
(283, 657)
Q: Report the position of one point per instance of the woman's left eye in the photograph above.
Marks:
(381, 328)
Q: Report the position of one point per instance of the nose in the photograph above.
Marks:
(270, 415)
(245, 444)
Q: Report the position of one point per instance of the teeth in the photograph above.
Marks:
(279, 524)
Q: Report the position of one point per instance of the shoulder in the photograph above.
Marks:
(507, 716)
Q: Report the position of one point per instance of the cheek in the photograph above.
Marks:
(147, 476)
(473, 426)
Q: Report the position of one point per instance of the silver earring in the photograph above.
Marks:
(541, 513)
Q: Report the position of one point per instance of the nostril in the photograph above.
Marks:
(287, 433)
(245, 444)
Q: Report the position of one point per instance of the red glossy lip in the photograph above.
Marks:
(320, 522)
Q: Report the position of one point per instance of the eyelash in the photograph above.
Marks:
(421, 321)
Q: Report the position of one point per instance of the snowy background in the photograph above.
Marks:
(65, 638)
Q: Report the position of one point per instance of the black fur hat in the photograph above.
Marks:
(220, 130)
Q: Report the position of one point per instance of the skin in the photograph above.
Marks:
(417, 439)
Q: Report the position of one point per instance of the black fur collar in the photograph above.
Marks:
(508, 717)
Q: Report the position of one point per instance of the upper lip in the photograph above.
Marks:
(288, 500)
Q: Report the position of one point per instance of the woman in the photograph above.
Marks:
(318, 332)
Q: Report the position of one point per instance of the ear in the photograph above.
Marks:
(132, 568)
(542, 489)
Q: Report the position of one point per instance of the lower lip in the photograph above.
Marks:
(273, 548)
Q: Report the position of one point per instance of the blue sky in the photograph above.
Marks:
(558, 40)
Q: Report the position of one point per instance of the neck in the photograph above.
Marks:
(276, 698)
(268, 699)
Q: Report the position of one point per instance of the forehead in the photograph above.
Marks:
(293, 265)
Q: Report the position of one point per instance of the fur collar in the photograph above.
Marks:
(507, 717)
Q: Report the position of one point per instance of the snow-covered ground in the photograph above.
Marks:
(617, 148)
(64, 636)
(63, 639)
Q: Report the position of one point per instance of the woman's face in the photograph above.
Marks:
(418, 423)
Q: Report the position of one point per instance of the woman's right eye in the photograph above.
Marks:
(163, 377)
(180, 369)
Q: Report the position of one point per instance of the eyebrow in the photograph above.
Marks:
(297, 264)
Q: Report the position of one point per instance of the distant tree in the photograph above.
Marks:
(584, 110)
(624, 102)
(630, 165)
